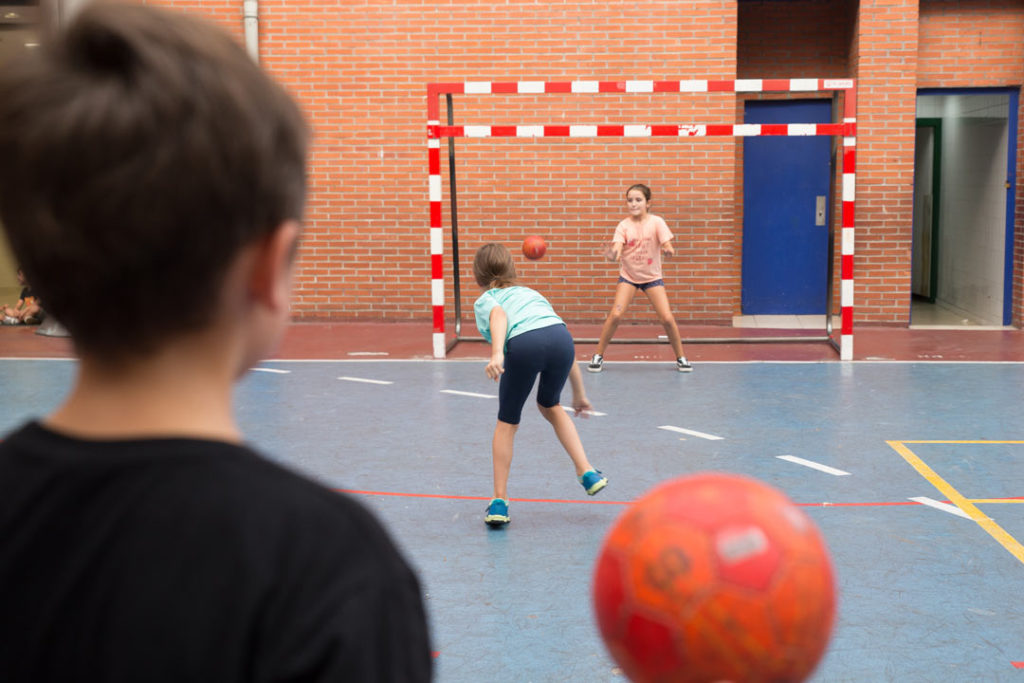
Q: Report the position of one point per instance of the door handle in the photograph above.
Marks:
(819, 210)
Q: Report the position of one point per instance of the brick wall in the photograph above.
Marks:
(887, 103)
(360, 69)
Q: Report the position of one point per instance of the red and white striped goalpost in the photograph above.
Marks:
(846, 129)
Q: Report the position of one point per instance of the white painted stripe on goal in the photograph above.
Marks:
(530, 87)
(693, 86)
(272, 370)
(437, 292)
(594, 413)
(585, 86)
(939, 505)
(846, 347)
(691, 131)
(636, 131)
(848, 241)
(802, 129)
(433, 143)
(478, 88)
(846, 292)
(439, 345)
(837, 84)
(639, 86)
(849, 187)
(436, 241)
(849, 142)
(749, 85)
(530, 131)
(814, 465)
(691, 432)
(466, 393)
(477, 131)
(582, 131)
(803, 84)
(435, 188)
(746, 129)
(364, 380)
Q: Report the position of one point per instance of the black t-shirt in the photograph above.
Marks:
(191, 560)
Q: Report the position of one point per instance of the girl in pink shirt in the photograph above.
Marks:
(638, 244)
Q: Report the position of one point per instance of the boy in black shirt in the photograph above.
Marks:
(143, 155)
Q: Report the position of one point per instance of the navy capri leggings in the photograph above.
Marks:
(548, 352)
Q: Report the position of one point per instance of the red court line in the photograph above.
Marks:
(450, 497)
(1018, 665)
(444, 496)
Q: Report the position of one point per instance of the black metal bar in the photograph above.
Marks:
(697, 340)
(453, 194)
(830, 209)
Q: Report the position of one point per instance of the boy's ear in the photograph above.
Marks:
(270, 280)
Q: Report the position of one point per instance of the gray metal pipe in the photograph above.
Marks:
(251, 19)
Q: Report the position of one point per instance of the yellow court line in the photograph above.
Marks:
(992, 501)
(954, 496)
(961, 442)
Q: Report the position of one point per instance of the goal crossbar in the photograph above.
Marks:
(846, 130)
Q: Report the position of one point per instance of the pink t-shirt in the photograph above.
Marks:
(641, 251)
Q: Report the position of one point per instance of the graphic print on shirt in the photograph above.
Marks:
(640, 260)
(638, 247)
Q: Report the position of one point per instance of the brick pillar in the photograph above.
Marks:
(885, 64)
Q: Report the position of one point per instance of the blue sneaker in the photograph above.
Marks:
(497, 513)
(593, 481)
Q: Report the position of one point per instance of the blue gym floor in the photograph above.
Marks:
(923, 507)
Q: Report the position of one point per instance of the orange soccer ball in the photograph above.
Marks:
(715, 577)
(534, 247)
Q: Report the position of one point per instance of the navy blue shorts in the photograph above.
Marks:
(548, 352)
(643, 287)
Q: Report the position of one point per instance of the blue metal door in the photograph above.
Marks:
(785, 212)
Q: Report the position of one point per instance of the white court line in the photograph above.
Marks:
(466, 393)
(939, 505)
(368, 353)
(595, 413)
(365, 381)
(691, 432)
(813, 465)
(273, 370)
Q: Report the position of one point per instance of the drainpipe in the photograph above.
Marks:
(67, 9)
(251, 15)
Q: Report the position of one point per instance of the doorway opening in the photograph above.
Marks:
(962, 254)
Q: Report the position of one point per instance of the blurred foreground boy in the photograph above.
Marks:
(145, 161)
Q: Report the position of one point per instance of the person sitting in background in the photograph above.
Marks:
(27, 311)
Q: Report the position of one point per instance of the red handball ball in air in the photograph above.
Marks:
(715, 577)
(534, 247)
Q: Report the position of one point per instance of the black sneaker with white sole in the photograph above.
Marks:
(596, 363)
(682, 365)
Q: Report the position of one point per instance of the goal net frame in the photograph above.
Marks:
(845, 129)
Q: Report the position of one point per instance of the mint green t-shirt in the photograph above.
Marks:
(525, 309)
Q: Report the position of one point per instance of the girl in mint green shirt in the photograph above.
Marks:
(528, 340)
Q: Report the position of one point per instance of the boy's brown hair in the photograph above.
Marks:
(493, 267)
(140, 150)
